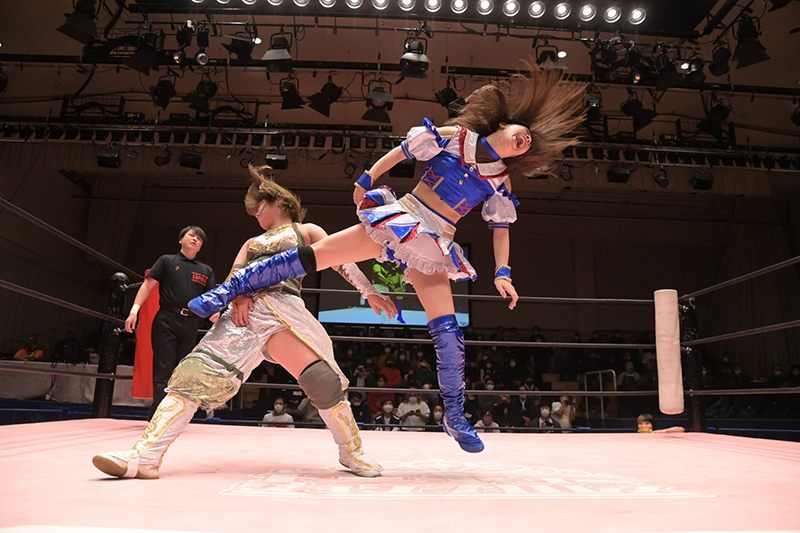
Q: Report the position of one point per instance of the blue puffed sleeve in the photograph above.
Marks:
(423, 142)
(500, 209)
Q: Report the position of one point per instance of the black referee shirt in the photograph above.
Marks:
(180, 279)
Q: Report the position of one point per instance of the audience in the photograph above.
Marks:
(387, 418)
(278, 417)
(30, 352)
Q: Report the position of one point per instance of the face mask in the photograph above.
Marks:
(419, 355)
(426, 386)
(437, 416)
(485, 357)
(470, 396)
(488, 365)
(487, 421)
(737, 372)
(490, 386)
(704, 372)
(630, 370)
(402, 358)
(387, 350)
(381, 384)
(545, 413)
(725, 359)
(512, 364)
(388, 409)
(777, 372)
(356, 404)
(368, 361)
(278, 407)
(412, 400)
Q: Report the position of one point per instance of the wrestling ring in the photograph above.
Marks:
(234, 477)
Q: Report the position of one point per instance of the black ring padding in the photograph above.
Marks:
(531, 299)
(53, 300)
(745, 277)
(60, 372)
(529, 344)
(63, 236)
(743, 333)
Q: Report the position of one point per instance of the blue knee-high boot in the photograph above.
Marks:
(449, 344)
(258, 275)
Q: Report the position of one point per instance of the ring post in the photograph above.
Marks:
(668, 352)
(109, 349)
(694, 366)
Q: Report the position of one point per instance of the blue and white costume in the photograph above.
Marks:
(414, 235)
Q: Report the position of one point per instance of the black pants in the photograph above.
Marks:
(173, 336)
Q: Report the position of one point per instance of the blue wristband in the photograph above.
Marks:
(503, 272)
(365, 181)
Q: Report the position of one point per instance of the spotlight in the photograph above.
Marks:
(695, 74)
(290, 95)
(190, 160)
(719, 61)
(458, 6)
(3, 81)
(148, 52)
(406, 5)
(536, 9)
(562, 11)
(353, 4)
(749, 49)
(163, 159)
(162, 92)
(277, 161)
(548, 58)
(712, 123)
(566, 171)
(109, 159)
(80, 24)
(241, 46)
(414, 63)
(327, 4)
(701, 181)
(485, 7)
(660, 177)
(379, 102)
(380, 5)
(279, 57)
(510, 8)
(179, 57)
(203, 37)
(201, 57)
(185, 33)
(587, 12)
(637, 16)
(777, 4)
(618, 175)
(594, 105)
(634, 108)
(668, 75)
(298, 3)
(198, 99)
(448, 98)
(795, 116)
(433, 5)
(612, 14)
(321, 101)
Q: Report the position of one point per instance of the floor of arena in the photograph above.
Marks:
(240, 479)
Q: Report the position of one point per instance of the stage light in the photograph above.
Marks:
(148, 52)
(301, 3)
(190, 160)
(321, 101)
(587, 12)
(406, 5)
(777, 4)
(327, 4)
(719, 61)
(179, 57)
(249, 2)
(749, 49)
(458, 6)
(618, 175)
(162, 92)
(548, 58)
(695, 74)
(448, 98)
(511, 8)
(198, 99)
(795, 117)
(354, 4)
(433, 5)
(380, 5)
(712, 123)
(485, 7)
(414, 63)
(562, 11)
(277, 161)
(612, 14)
(203, 37)
(185, 34)
(290, 95)
(201, 57)
(634, 108)
(660, 177)
(566, 171)
(668, 75)
(275, 3)
(701, 181)
(109, 159)
(163, 159)
(80, 24)
(279, 57)
(536, 9)
(241, 46)
(3, 81)
(637, 16)
(378, 102)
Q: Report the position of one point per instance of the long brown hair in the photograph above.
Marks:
(265, 188)
(550, 107)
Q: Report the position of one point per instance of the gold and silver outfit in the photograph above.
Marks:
(215, 369)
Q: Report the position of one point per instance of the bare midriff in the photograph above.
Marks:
(429, 197)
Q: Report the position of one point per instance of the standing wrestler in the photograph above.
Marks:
(269, 324)
(520, 126)
(180, 278)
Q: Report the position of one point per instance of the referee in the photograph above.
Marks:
(180, 278)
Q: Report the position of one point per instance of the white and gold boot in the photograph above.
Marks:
(344, 429)
(172, 416)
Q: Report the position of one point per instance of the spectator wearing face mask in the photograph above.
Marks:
(530, 385)
(377, 399)
(431, 399)
(387, 418)
(513, 373)
(362, 378)
(425, 374)
(506, 413)
(487, 424)
(630, 380)
(360, 408)
(528, 409)
(544, 420)
(278, 417)
(391, 374)
(403, 364)
(486, 402)
(563, 411)
(413, 412)
(386, 353)
(471, 408)
(435, 420)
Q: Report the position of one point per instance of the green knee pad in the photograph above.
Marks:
(322, 385)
